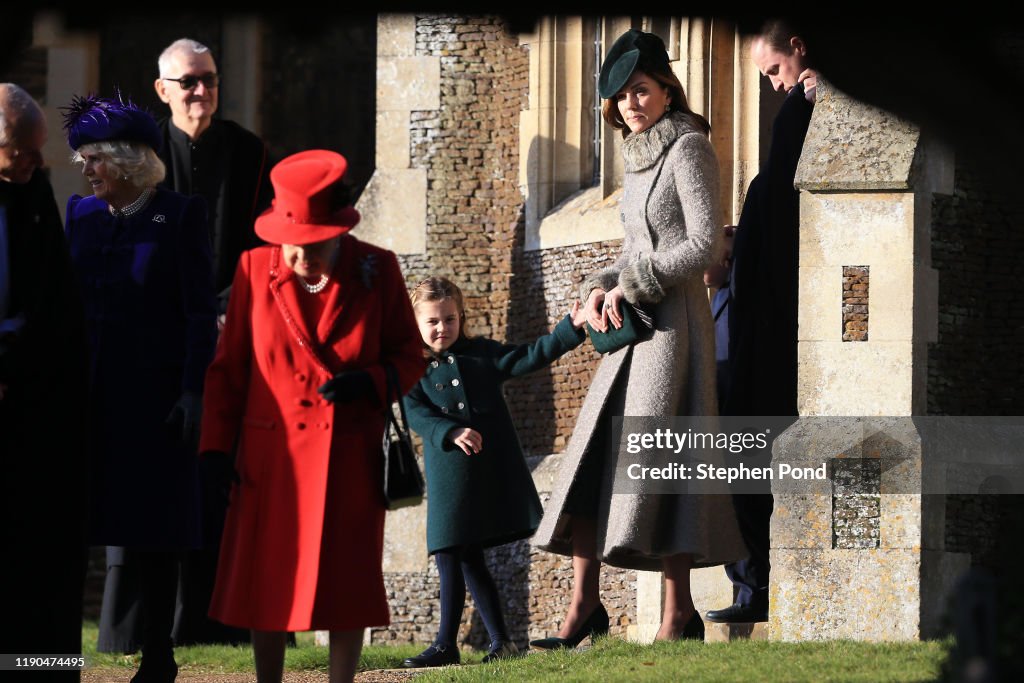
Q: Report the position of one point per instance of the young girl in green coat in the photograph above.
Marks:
(480, 492)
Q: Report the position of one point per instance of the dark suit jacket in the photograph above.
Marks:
(765, 277)
(245, 191)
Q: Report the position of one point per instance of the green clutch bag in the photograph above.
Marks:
(637, 324)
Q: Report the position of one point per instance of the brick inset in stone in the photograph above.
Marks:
(855, 303)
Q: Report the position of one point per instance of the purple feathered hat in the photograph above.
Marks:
(99, 119)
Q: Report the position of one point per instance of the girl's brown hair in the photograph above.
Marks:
(439, 288)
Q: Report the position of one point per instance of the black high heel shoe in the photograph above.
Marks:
(694, 629)
(594, 625)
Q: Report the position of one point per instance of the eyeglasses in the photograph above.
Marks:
(190, 82)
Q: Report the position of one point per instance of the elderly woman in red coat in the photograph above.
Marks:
(297, 391)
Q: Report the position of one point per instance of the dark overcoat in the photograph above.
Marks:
(765, 276)
(42, 454)
(150, 309)
(487, 498)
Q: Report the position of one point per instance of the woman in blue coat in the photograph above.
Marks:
(479, 490)
(143, 261)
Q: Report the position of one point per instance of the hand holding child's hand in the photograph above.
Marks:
(469, 440)
(578, 315)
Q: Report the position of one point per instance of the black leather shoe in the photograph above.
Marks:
(503, 649)
(435, 655)
(594, 625)
(738, 614)
(156, 669)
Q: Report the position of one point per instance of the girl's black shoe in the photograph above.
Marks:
(435, 655)
(594, 625)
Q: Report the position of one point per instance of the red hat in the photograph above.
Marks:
(303, 188)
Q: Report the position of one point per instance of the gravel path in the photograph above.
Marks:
(123, 676)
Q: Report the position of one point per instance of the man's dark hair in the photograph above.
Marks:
(777, 32)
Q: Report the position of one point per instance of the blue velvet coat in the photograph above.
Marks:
(147, 285)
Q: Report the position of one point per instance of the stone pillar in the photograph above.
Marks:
(394, 203)
(862, 555)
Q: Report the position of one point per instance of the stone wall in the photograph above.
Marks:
(976, 368)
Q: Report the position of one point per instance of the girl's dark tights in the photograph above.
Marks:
(462, 566)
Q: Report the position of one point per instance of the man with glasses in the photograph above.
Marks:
(212, 157)
(42, 394)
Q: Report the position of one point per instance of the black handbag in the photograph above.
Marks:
(637, 325)
(403, 481)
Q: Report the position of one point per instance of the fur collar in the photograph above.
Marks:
(642, 150)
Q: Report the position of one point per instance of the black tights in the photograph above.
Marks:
(458, 567)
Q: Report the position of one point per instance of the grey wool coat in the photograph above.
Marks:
(672, 224)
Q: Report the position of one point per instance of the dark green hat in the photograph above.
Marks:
(633, 47)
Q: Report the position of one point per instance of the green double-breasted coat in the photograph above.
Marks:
(487, 498)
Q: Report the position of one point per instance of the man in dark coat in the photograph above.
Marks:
(215, 158)
(228, 166)
(42, 391)
(764, 305)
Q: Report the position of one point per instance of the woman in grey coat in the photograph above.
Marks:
(670, 213)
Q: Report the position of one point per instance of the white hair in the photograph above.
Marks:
(17, 109)
(178, 46)
(135, 161)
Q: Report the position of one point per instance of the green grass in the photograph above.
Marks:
(610, 659)
(227, 659)
(616, 660)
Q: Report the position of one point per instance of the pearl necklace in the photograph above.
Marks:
(314, 288)
(138, 205)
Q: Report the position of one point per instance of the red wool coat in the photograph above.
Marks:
(303, 538)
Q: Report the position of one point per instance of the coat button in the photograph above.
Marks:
(303, 403)
(324, 425)
(451, 359)
(455, 382)
(300, 425)
(461, 405)
(300, 377)
(444, 409)
(434, 363)
(439, 387)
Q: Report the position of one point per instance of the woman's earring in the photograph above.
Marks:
(668, 107)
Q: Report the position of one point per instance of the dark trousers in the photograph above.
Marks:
(458, 567)
(750, 576)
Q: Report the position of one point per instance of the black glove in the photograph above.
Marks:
(185, 417)
(349, 385)
(217, 471)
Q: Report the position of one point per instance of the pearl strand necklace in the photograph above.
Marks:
(138, 205)
(315, 288)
